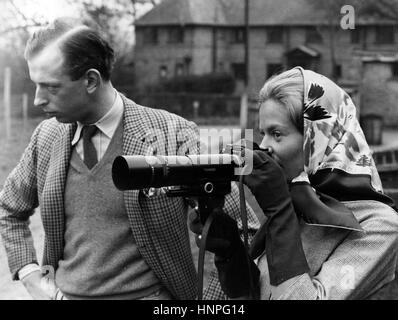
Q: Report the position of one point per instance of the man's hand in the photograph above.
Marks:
(38, 286)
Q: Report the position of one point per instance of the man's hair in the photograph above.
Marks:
(287, 88)
(81, 44)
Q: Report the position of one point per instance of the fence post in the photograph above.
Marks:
(243, 110)
(7, 101)
(25, 107)
(196, 109)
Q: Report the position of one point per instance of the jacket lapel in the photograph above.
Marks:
(134, 131)
(52, 210)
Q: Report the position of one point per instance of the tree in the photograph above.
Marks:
(14, 32)
(116, 18)
(331, 13)
(387, 9)
(14, 19)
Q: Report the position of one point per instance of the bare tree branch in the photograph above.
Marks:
(17, 28)
(28, 20)
(390, 8)
(387, 9)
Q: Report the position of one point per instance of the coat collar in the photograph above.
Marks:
(133, 123)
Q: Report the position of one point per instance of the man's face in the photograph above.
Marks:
(56, 93)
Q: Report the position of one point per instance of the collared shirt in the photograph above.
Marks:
(107, 126)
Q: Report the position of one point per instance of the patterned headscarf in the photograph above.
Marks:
(333, 138)
(338, 161)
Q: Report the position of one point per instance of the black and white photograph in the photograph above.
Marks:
(211, 151)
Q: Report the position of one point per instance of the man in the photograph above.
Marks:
(102, 243)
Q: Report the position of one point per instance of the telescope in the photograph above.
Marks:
(207, 177)
(139, 172)
(205, 171)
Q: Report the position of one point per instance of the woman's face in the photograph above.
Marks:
(282, 137)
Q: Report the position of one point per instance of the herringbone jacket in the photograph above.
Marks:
(159, 223)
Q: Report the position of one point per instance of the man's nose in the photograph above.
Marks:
(40, 98)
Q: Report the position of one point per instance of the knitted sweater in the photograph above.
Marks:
(101, 259)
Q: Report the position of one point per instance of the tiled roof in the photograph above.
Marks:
(231, 13)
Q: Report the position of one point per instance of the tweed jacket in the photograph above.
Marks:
(159, 223)
(343, 264)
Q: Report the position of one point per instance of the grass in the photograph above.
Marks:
(11, 150)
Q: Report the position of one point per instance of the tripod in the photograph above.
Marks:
(210, 200)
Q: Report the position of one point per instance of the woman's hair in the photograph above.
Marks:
(287, 88)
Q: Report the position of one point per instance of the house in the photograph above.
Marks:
(180, 37)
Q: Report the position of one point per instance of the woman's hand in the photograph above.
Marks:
(266, 181)
(279, 236)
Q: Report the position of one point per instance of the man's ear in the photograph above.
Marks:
(93, 80)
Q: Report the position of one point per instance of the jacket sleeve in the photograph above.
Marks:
(18, 199)
(361, 265)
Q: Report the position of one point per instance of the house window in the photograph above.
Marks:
(394, 69)
(179, 71)
(337, 71)
(355, 35)
(313, 35)
(275, 35)
(385, 35)
(273, 68)
(239, 71)
(222, 34)
(176, 35)
(150, 35)
(163, 72)
(238, 35)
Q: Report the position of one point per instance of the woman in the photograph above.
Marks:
(330, 232)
